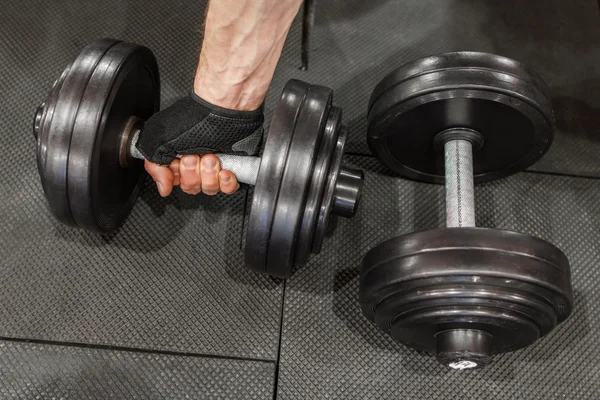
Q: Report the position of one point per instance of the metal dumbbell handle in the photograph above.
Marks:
(245, 168)
(460, 191)
(346, 192)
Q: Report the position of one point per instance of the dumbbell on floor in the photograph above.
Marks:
(461, 292)
(91, 172)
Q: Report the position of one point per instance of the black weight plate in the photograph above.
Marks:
(508, 104)
(41, 123)
(318, 182)
(124, 84)
(295, 181)
(272, 165)
(53, 125)
(513, 316)
(453, 60)
(512, 286)
(324, 217)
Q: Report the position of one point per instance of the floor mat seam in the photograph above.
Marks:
(276, 377)
(133, 350)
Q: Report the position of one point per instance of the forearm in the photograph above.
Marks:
(243, 40)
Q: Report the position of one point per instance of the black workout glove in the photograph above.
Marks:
(194, 126)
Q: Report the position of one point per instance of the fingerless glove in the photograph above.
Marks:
(194, 126)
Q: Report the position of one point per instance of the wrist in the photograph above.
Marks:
(223, 90)
(231, 89)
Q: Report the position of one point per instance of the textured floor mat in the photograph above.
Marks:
(171, 279)
(37, 371)
(329, 350)
(357, 43)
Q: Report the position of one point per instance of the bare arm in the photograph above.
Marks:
(243, 40)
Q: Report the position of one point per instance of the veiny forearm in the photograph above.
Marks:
(243, 40)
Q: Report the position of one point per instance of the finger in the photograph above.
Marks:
(174, 167)
(209, 172)
(228, 182)
(162, 175)
(189, 174)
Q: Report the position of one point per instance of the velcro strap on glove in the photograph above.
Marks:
(194, 126)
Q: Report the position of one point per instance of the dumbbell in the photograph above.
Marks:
(463, 292)
(91, 172)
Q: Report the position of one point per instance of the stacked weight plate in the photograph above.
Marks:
(298, 182)
(78, 131)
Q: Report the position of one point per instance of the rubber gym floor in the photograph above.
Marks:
(164, 308)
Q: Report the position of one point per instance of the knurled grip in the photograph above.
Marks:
(245, 168)
(460, 191)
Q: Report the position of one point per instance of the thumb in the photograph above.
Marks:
(162, 175)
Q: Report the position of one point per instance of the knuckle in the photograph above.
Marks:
(229, 187)
(209, 175)
(190, 180)
(210, 190)
(192, 190)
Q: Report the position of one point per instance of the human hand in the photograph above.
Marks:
(194, 174)
(192, 126)
(230, 85)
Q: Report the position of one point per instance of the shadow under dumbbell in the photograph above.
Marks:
(155, 221)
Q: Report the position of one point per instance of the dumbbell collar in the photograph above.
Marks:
(475, 138)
